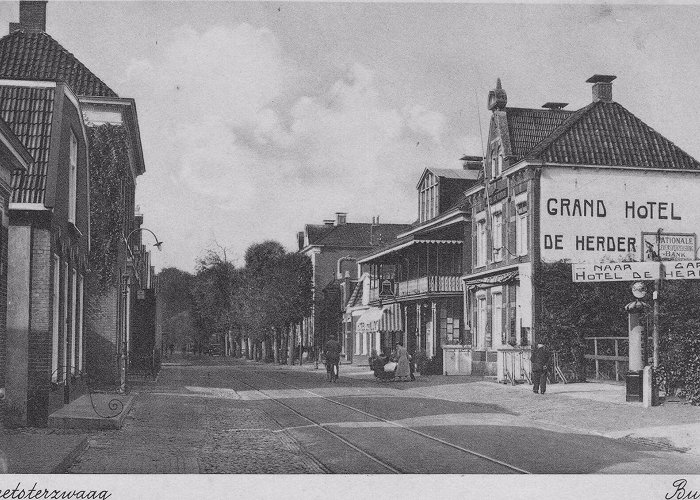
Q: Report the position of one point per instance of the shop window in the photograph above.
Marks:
(497, 317)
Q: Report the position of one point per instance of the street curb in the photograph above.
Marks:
(71, 457)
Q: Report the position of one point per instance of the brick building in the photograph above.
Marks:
(561, 186)
(13, 156)
(49, 241)
(334, 248)
(29, 53)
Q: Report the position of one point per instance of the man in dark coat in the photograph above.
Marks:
(541, 363)
(332, 351)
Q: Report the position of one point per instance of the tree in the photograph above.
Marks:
(174, 290)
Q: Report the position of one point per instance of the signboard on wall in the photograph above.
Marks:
(668, 246)
(636, 271)
(597, 215)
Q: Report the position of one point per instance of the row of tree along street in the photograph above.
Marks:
(247, 311)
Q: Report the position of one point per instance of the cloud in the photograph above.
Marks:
(228, 124)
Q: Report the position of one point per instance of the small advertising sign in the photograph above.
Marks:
(615, 271)
(673, 246)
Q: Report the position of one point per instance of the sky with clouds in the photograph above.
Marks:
(260, 117)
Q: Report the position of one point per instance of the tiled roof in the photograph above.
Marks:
(605, 133)
(356, 296)
(528, 127)
(316, 231)
(357, 234)
(29, 113)
(26, 55)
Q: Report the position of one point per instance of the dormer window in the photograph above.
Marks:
(428, 197)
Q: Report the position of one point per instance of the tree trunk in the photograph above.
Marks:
(291, 340)
(248, 348)
(265, 350)
(275, 348)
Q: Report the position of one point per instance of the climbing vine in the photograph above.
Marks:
(109, 164)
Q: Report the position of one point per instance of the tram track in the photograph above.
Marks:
(390, 467)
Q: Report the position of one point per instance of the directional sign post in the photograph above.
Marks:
(615, 271)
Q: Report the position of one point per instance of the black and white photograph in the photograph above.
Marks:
(303, 247)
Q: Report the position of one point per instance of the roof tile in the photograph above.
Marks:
(29, 114)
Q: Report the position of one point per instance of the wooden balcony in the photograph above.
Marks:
(426, 284)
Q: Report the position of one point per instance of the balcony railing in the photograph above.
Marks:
(426, 284)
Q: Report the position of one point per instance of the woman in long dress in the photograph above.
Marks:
(403, 370)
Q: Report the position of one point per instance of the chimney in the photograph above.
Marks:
(472, 162)
(341, 218)
(32, 16)
(300, 239)
(555, 105)
(328, 222)
(602, 87)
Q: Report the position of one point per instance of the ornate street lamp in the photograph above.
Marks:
(125, 294)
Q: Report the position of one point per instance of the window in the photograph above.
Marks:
(80, 323)
(497, 236)
(481, 243)
(497, 163)
(72, 178)
(521, 229)
(56, 322)
(73, 305)
(481, 321)
(428, 198)
(496, 317)
(64, 298)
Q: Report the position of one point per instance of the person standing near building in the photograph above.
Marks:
(541, 362)
(403, 370)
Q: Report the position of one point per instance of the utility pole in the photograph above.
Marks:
(657, 298)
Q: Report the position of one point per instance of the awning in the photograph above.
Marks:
(369, 321)
(386, 319)
(391, 319)
(489, 281)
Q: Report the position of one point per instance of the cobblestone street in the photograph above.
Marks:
(171, 431)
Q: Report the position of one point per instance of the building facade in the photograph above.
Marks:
(49, 243)
(561, 186)
(415, 288)
(334, 248)
(29, 53)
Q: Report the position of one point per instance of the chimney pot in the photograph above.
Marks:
(602, 87)
(341, 218)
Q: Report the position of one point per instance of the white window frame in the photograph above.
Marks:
(481, 320)
(56, 324)
(521, 231)
(496, 316)
(481, 240)
(72, 178)
(74, 300)
(64, 372)
(81, 316)
(497, 235)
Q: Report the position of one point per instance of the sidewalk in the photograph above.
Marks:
(590, 408)
(39, 451)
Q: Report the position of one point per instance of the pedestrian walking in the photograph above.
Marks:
(541, 363)
(332, 353)
(403, 370)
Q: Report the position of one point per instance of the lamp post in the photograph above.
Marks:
(123, 340)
